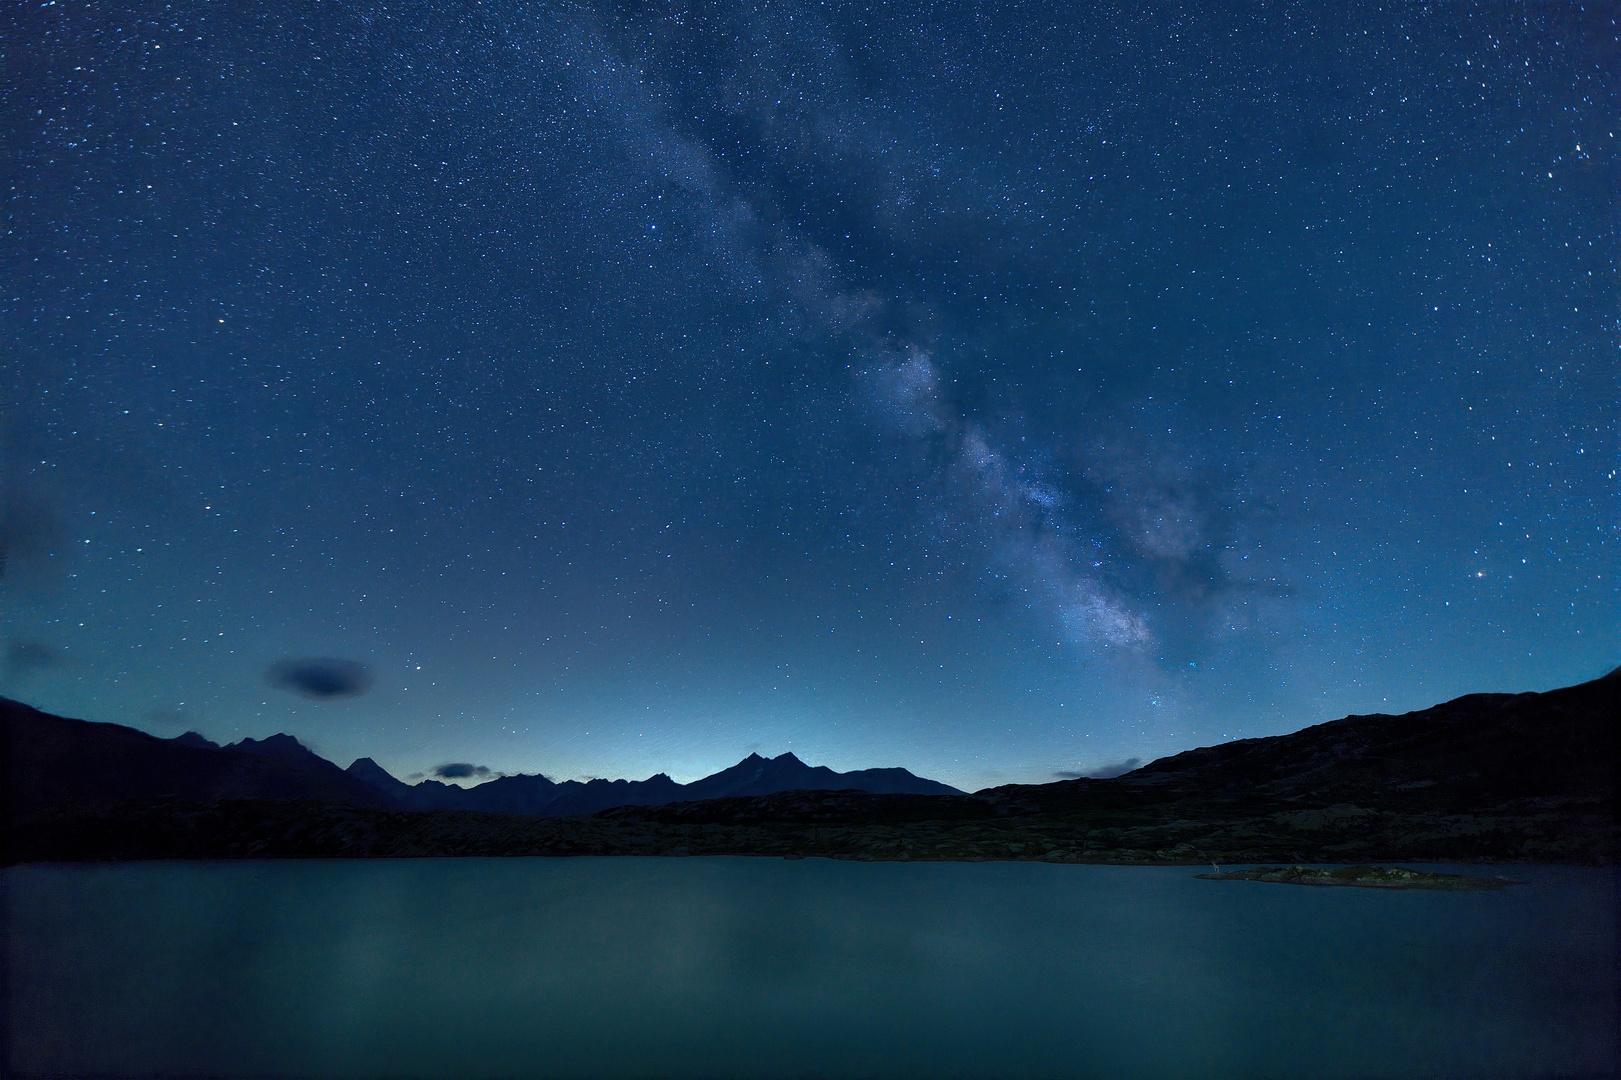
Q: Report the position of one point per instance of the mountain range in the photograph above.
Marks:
(53, 761)
(1493, 777)
(530, 794)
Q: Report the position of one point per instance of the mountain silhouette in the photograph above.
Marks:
(50, 761)
(53, 761)
(191, 738)
(1470, 753)
(754, 775)
(1529, 776)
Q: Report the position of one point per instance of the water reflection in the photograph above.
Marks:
(721, 967)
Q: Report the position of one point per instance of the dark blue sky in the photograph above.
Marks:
(994, 392)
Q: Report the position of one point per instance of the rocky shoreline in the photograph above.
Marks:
(1366, 877)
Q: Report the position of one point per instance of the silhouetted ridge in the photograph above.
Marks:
(191, 738)
(1476, 751)
(52, 761)
(754, 775)
(281, 747)
(369, 772)
(1485, 776)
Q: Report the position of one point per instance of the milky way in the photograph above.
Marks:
(1001, 393)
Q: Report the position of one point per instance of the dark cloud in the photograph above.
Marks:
(1102, 772)
(25, 656)
(320, 677)
(461, 770)
(31, 536)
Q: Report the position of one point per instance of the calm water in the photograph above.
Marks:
(733, 967)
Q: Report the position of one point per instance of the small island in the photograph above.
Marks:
(1367, 877)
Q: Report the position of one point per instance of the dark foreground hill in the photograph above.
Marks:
(52, 761)
(1487, 777)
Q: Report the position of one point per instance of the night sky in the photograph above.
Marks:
(998, 392)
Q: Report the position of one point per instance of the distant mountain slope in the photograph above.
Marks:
(53, 761)
(48, 760)
(755, 775)
(1473, 749)
(1479, 750)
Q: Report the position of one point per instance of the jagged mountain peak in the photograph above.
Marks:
(279, 741)
(374, 774)
(103, 760)
(194, 739)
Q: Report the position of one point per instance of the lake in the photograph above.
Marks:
(739, 967)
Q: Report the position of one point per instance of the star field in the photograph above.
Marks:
(999, 393)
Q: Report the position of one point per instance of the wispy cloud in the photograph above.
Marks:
(1102, 772)
(24, 657)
